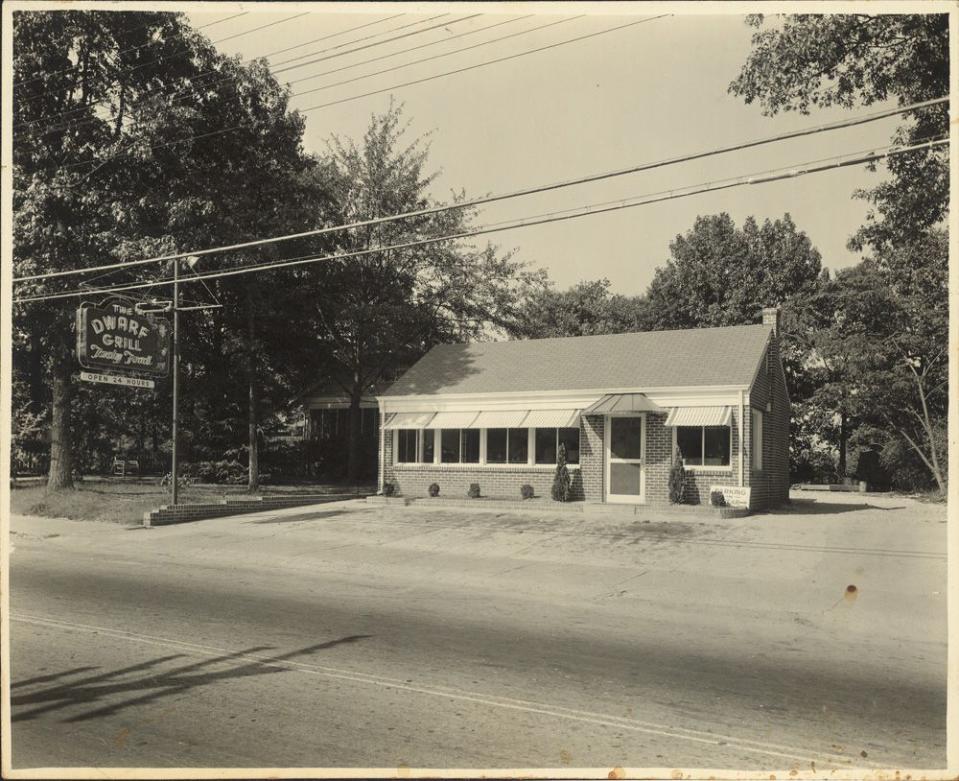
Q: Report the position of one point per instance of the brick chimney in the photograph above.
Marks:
(771, 318)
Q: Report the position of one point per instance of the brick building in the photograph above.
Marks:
(623, 404)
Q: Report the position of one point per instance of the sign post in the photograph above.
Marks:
(174, 466)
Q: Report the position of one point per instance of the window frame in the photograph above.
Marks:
(483, 462)
(756, 439)
(705, 467)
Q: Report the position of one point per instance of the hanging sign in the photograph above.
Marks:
(114, 336)
(117, 379)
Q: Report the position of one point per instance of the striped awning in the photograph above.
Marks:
(453, 419)
(499, 419)
(408, 420)
(552, 418)
(699, 416)
(622, 402)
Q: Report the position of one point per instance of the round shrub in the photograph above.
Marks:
(389, 488)
(526, 491)
(474, 491)
(434, 489)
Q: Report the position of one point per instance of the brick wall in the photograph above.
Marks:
(770, 486)
(592, 457)
(659, 459)
(182, 513)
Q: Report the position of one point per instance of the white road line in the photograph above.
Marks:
(650, 728)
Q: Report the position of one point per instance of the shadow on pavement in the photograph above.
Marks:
(313, 516)
(152, 685)
(817, 507)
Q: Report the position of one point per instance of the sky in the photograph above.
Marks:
(650, 91)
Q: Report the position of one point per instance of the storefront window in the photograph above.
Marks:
(406, 445)
(548, 441)
(450, 446)
(518, 445)
(570, 438)
(496, 446)
(471, 445)
(429, 440)
(704, 445)
(546, 446)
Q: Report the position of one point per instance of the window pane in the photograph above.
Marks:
(624, 479)
(689, 439)
(496, 446)
(406, 445)
(471, 438)
(546, 446)
(428, 445)
(626, 438)
(450, 446)
(570, 438)
(518, 445)
(717, 446)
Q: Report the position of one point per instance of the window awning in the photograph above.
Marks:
(453, 419)
(622, 402)
(408, 420)
(552, 418)
(699, 416)
(499, 419)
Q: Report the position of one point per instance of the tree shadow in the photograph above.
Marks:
(314, 516)
(155, 685)
(818, 507)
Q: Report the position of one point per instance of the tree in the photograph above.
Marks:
(383, 309)
(806, 61)
(134, 140)
(585, 309)
(562, 483)
(721, 275)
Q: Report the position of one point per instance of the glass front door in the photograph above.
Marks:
(625, 451)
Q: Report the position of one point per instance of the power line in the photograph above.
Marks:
(640, 167)
(193, 86)
(360, 40)
(802, 169)
(484, 64)
(124, 51)
(407, 51)
(433, 57)
(397, 86)
(176, 54)
(367, 46)
(183, 93)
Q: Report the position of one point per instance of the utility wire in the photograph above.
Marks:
(740, 146)
(122, 51)
(407, 51)
(792, 172)
(179, 53)
(277, 70)
(433, 57)
(185, 91)
(483, 64)
(366, 38)
(388, 89)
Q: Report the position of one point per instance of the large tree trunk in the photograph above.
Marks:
(354, 463)
(60, 476)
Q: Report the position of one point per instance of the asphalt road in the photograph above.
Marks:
(337, 637)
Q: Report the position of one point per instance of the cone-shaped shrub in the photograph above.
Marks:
(561, 480)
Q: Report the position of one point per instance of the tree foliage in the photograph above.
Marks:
(809, 61)
(719, 275)
(385, 307)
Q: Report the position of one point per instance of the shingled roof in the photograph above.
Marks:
(652, 359)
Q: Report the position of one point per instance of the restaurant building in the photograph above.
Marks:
(496, 413)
